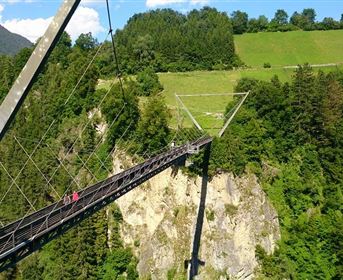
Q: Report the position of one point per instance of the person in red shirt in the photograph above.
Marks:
(75, 196)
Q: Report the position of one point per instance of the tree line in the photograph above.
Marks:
(167, 40)
(306, 20)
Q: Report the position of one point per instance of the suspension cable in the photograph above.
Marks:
(115, 55)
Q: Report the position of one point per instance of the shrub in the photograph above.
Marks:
(210, 215)
(267, 65)
(230, 209)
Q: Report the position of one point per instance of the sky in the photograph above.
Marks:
(30, 18)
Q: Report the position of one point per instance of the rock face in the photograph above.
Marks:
(160, 220)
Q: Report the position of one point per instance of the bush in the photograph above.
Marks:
(148, 82)
(267, 65)
(210, 215)
(230, 209)
(136, 243)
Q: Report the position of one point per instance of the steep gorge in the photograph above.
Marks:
(160, 222)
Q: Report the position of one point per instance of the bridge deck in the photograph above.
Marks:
(22, 237)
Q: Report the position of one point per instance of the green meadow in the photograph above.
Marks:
(290, 48)
(209, 110)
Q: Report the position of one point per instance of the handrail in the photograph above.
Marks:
(45, 220)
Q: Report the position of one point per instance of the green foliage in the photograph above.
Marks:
(257, 25)
(148, 82)
(81, 252)
(281, 17)
(210, 215)
(266, 65)
(117, 263)
(153, 130)
(230, 209)
(86, 42)
(171, 274)
(305, 21)
(166, 40)
(120, 110)
(239, 22)
(291, 127)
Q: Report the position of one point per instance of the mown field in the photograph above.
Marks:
(290, 48)
(209, 110)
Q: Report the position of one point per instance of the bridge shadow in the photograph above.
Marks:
(193, 264)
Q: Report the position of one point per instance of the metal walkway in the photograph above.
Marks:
(23, 237)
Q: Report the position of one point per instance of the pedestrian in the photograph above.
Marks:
(75, 196)
(66, 200)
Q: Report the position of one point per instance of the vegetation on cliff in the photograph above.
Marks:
(291, 136)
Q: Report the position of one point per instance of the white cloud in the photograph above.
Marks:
(199, 2)
(84, 20)
(31, 29)
(155, 3)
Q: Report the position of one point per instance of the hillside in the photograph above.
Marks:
(290, 48)
(11, 43)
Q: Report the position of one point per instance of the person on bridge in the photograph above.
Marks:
(75, 196)
(66, 199)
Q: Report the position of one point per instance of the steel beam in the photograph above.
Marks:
(26, 78)
(233, 115)
(189, 113)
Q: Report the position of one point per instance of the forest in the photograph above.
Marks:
(306, 20)
(170, 41)
(289, 134)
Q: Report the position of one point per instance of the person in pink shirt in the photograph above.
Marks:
(75, 196)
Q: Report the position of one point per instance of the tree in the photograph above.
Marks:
(86, 42)
(239, 22)
(153, 130)
(258, 25)
(62, 51)
(310, 14)
(143, 50)
(332, 106)
(121, 111)
(301, 21)
(166, 40)
(329, 23)
(148, 82)
(281, 17)
(117, 263)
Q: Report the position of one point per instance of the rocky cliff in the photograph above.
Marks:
(161, 219)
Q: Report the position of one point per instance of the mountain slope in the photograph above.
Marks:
(11, 43)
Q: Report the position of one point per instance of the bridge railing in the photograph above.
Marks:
(51, 216)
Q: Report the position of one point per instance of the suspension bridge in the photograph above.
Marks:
(24, 236)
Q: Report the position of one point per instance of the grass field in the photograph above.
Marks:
(208, 111)
(290, 48)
